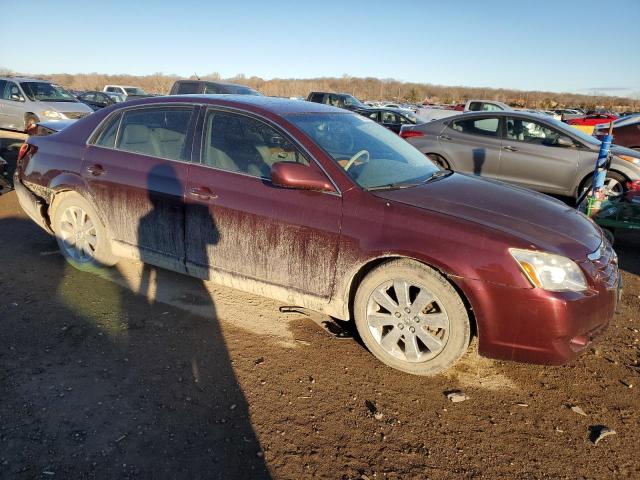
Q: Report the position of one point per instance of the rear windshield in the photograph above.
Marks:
(134, 91)
(188, 88)
(240, 90)
(46, 92)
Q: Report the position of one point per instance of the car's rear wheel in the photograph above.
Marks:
(81, 236)
(439, 161)
(411, 318)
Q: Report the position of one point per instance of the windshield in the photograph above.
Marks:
(574, 131)
(628, 120)
(413, 117)
(240, 90)
(46, 92)
(134, 91)
(353, 101)
(370, 154)
(116, 97)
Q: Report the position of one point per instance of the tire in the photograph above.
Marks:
(408, 339)
(613, 178)
(439, 161)
(30, 121)
(75, 219)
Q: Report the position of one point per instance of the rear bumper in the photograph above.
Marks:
(31, 204)
(535, 326)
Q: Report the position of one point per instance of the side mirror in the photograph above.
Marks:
(564, 142)
(298, 176)
(16, 97)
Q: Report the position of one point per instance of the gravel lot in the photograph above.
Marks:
(105, 376)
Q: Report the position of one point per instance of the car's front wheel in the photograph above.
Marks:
(411, 318)
(81, 236)
(615, 185)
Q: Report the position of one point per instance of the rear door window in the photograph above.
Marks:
(485, 126)
(157, 131)
(375, 116)
(317, 97)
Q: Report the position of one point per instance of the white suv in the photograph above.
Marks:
(126, 90)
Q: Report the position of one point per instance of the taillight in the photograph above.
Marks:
(411, 134)
(25, 151)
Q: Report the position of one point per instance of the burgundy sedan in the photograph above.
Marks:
(319, 207)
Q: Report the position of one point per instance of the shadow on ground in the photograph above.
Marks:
(107, 384)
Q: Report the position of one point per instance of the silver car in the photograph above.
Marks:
(27, 101)
(526, 149)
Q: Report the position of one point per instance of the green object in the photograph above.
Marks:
(619, 214)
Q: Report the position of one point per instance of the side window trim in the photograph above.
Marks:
(189, 135)
(522, 119)
(499, 130)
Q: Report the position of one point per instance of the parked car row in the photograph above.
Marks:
(320, 207)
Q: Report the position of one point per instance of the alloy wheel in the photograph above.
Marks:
(407, 321)
(78, 234)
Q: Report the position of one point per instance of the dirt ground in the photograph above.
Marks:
(104, 375)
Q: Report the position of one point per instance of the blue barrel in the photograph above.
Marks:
(600, 173)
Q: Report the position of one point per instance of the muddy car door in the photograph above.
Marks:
(240, 225)
(136, 171)
(472, 144)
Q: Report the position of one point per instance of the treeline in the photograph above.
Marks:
(363, 88)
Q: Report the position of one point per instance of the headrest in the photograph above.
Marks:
(134, 133)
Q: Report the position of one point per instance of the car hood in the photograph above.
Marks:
(619, 150)
(67, 106)
(539, 221)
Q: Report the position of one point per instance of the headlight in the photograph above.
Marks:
(551, 272)
(51, 114)
(630, 159)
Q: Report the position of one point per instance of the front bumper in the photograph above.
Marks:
(535, 326)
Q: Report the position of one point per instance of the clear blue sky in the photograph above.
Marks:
(559, 45)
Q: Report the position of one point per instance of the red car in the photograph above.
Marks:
(319, 207)
(594, 119)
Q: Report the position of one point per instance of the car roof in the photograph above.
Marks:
(25, 79)
(275, 105)
(215, 82)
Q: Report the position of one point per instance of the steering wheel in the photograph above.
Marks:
(351, 161)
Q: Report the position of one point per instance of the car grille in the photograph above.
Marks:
(605, 261)
(75, 115)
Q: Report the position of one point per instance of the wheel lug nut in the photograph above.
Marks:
(412, 330)
(416, 319)
(400, 326)
(398, 314)
(407, 310)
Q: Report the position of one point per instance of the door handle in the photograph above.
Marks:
(96, 170)
(510, 148)
(202, 193)
(445, 137)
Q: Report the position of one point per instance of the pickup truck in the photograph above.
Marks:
(434, 113)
